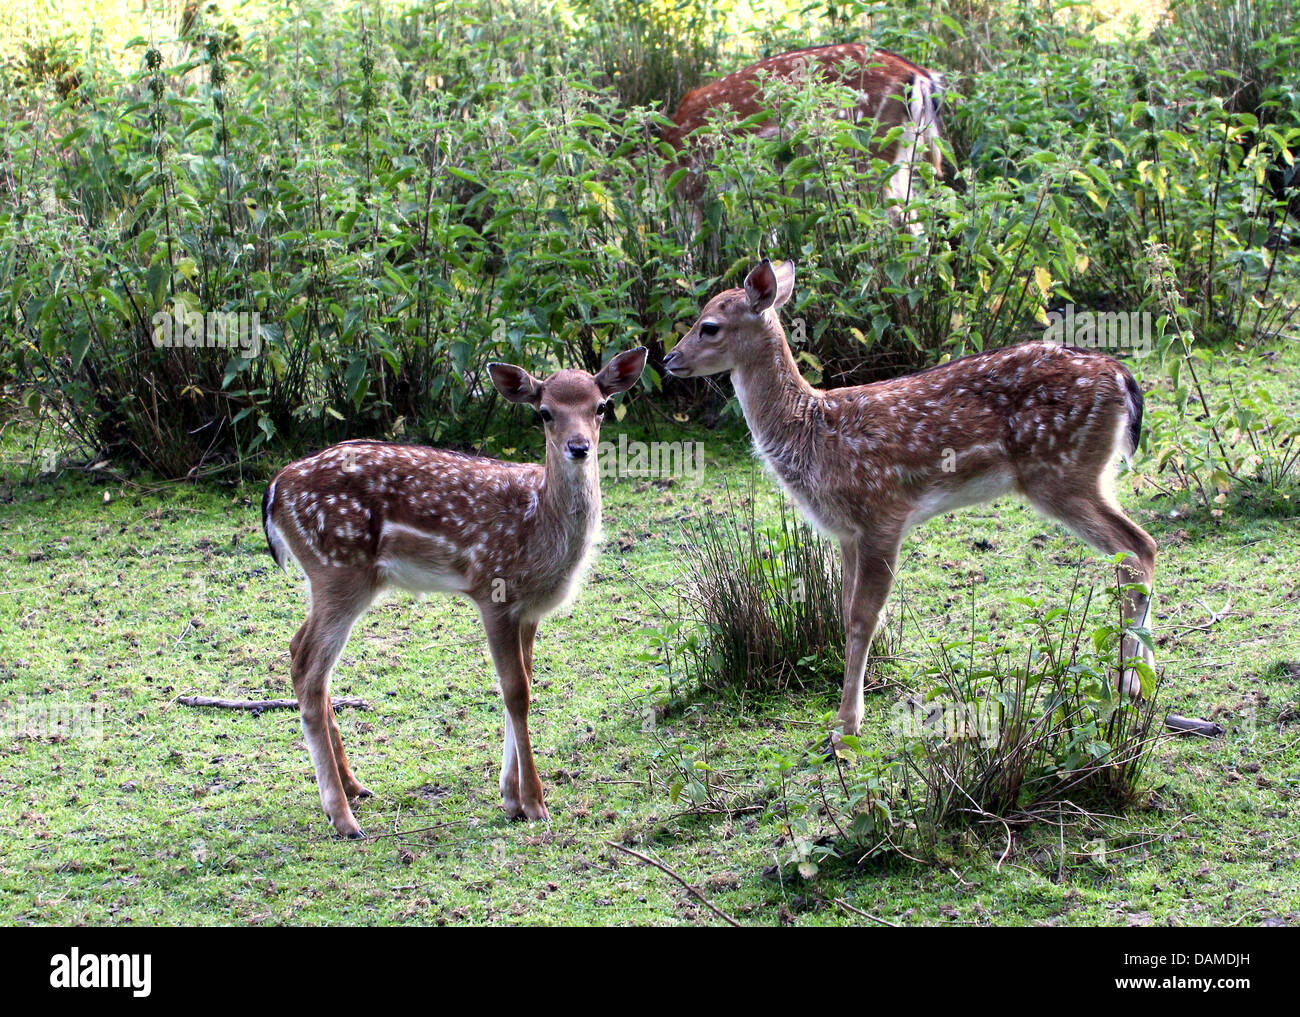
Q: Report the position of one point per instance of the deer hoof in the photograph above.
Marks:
(346, 828)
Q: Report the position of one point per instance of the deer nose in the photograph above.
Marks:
(577, 448)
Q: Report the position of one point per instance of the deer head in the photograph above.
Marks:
(737, 326)
(571, 404)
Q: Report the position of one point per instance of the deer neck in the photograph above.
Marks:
(569, 504)
(780, 407)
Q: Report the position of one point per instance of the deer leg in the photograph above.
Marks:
(1099, 522)
(509, 750)
(527, 633)
(333, 612)
(352, 787)
(848, 576)
(521, 787)
(510, 770)
(873, 577)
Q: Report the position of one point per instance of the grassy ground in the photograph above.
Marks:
(119, 596)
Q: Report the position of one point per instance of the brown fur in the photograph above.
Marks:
(882, 81)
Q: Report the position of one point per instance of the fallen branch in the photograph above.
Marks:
(418, 829)
(1192, 726)
(258, 705)
(1215, 618)
(664, 868)
(858, 911)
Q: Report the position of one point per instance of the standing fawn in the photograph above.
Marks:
(866, 464)
(364, 516)
(889, 91)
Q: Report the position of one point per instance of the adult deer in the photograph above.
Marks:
(866, 464)
(889, 91)
(364, 516)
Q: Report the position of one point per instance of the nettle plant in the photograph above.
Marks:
(1144, 149)
(1221, 433)
(998, 733)
(875, 299)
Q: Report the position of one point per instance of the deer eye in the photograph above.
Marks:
(602, 409)
(709, 328)
(545, 414)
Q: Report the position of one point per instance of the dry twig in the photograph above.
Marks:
(258, 705)
(664, 868)
(858, 911)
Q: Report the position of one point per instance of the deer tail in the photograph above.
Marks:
(1133, 405)
(274, 542)
(927, 93)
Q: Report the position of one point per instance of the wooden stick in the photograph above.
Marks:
(1191, 725)
(1215, 618)
(258, 705)
(664, 868)
(858, 911)
(418, 829)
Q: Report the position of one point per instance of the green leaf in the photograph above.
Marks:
(356, 381)
(78, 347)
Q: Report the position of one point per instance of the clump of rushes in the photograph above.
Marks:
(762, 605)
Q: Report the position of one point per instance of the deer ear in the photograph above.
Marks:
(761, 287)
(784, 283)
(515, 383)
(621, 373)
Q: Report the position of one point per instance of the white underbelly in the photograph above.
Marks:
(938, 500)
(420, 577)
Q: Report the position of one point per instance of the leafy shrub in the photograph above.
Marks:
(53, 61)
(1243, 50)
(403, 200)
(998, 736)
(393, 236)
(652, 52)
(1220, 433)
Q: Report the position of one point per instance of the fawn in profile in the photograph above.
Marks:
(866, 464)
(364, 516)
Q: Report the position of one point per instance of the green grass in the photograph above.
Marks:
(182, 816)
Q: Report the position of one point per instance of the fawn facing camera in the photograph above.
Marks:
(364, 516)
